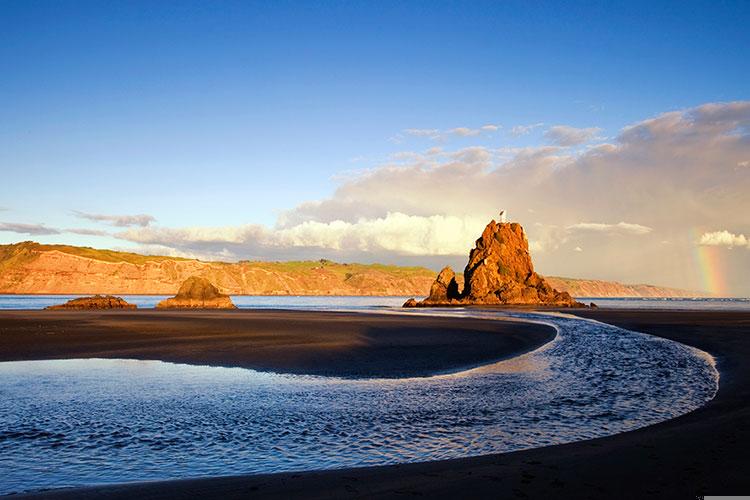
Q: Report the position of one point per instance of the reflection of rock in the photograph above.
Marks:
(499, 272)
(95, 302)
(197, 293)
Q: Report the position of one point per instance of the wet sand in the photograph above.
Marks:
(704, 452)
(298, 342)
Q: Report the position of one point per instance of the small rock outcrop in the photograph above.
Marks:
(445, 287)
(499, 272)
(197, 293)
(95, 302)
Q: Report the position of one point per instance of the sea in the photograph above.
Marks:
(375, 302)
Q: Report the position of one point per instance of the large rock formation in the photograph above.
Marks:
(197, 293)
(499, 272)
(95, 302)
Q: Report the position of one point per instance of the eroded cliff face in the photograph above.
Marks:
(499, 272)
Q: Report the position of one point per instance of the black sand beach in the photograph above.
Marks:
(298, 342)
(704, 452)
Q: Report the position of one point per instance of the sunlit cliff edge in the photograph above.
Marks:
(33, 268)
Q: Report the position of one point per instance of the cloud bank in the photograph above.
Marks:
(142, 220)
(563, 135)
(620, 227)
(724, 239)
(31, 229)
(395, 233)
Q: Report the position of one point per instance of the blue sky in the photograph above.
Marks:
(233, 113)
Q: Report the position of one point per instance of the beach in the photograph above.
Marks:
(295, 342)
(703, 452)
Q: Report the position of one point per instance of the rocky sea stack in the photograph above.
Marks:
(499, 272)
(95, 302)
(197, 293)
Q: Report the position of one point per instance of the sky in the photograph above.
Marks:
(616, 133)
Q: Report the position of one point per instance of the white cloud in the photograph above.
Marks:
(724, 239)
(443, 135)
(564, 135)
(620, 227)
(465, 131)
(87, 232)
(423, 132)
(395, 233)
(520, 130)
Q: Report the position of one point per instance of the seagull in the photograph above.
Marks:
(502, 215)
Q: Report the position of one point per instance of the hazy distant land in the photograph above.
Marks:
(33, 268)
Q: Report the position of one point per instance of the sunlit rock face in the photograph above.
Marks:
(95, 302)
(445, 287)
(499, 272)
(197, 293)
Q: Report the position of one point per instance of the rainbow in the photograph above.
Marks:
(711, 266)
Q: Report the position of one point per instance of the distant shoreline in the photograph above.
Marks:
(631, 297)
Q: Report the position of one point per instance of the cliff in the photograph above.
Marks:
(33, 268)
(599, 288)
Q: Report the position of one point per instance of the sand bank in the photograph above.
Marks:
(298, 342)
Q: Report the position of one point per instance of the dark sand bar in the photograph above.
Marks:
(704, 452)
(297, 342)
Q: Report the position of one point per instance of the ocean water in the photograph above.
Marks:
(363, 303)
(241, 301)
(92, 421)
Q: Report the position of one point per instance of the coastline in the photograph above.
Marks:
(702, 452)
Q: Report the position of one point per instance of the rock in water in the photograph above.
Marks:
(499, 272)
(95, 302)
(197, 293)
